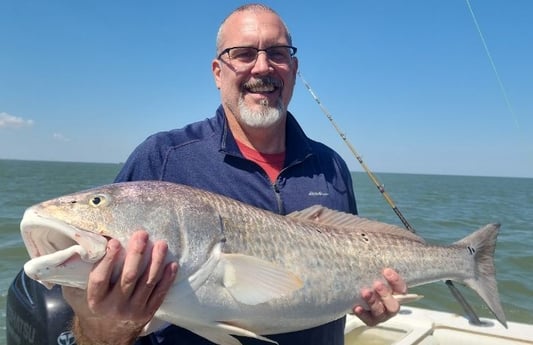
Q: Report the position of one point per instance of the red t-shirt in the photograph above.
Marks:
(272, 163)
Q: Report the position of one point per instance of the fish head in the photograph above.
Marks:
(66, 236)
(56, 247)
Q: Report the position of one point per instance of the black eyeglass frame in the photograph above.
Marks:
(292, 49)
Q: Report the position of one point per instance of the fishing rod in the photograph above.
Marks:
(373, 177)
(471, 314)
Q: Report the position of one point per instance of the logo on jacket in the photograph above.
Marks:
(318, 194)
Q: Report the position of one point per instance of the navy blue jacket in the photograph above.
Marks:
(205, 155)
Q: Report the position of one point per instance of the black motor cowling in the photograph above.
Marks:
(36, 315)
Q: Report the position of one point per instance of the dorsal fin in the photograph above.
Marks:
(337, 219)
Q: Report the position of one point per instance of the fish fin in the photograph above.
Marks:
(236, 330)
(408, 298)
(216, 333)
(350, 222)
(49, 286)
(482, 244)
(221, 333)
(155, 324)
(323, 215)
(253, 281)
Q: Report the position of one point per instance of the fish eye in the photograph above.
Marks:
(98, 200)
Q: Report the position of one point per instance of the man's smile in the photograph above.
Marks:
(265, 85)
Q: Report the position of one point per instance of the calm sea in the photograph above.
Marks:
(442, 209)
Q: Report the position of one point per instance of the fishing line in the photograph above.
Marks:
(471, 314)
(493, 65)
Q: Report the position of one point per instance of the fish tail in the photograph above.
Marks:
(482, 244)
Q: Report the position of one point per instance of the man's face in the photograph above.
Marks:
(256, 94)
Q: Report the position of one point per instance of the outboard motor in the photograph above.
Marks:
(36, 315)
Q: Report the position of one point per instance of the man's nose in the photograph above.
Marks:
(262, 63)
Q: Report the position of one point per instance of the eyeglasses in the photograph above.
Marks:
(246, 56)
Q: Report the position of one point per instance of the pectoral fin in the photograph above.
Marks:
(221, 333)
(253, 281)
(216, 336)
(236, 330)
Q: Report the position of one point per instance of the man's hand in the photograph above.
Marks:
(382, 304)
(116, 312)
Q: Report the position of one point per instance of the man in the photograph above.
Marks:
(253, 150)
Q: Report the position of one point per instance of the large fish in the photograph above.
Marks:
(245, 271)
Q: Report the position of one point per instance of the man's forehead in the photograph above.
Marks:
(253, 25)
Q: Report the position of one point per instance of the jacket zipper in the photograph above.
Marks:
(277, 195)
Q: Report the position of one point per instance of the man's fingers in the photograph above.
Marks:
(157, 263)
(396, 285)
(368, 316)
(161, 289)
(137, 249)
(99, 279)
(385, 304)
(395, 281)
(381, 302)
(152, 275)
(125, 287)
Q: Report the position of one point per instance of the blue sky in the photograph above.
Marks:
(409, 82)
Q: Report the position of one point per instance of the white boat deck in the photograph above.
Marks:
(428, 327)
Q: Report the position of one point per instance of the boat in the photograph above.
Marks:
(413, 325)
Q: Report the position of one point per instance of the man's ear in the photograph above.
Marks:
(216, 69)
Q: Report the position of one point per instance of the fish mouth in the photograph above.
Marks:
(58, 249)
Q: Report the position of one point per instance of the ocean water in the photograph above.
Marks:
(24, 183)
(442, 209)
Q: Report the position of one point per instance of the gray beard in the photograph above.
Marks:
(263, 118)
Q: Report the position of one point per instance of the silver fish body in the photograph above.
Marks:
(243, 270)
